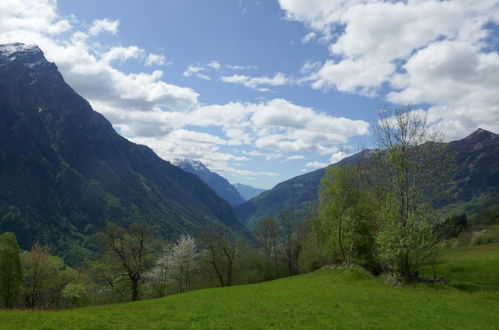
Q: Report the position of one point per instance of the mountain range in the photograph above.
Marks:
(475, 182)
(235, 194)
(218, 183)
(248, 192)
(65, 172)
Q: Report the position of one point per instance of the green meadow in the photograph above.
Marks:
(337, 298)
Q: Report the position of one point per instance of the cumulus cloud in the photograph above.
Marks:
(196, 71)
(314, 165)
(257, 82)
(104, 25)
(271, 129)
(144, 107)
(430, 52)
(155, 59)
(309, 37)
(215, 65)
(337, 156)
(85, 66)
(122, 54)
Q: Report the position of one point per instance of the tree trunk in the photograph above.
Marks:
(135, 288)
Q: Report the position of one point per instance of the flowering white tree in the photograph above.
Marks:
(176, 263)
(185, 257)
(159, 276)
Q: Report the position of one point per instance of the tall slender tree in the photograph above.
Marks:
(411, 172)
(10, 269)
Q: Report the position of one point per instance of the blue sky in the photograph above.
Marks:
(261, 91)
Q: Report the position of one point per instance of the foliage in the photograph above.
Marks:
(74, 294)
(130, 251)
(223, 250)
(407, 177)
(451, 227)
(346, 216)
(340, 298)
(10, 270)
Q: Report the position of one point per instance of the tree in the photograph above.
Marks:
(184, 260)
(345, 215)
(41, 277)
(10, 269)
(222, 250)
(131, 251)
(289, 232)
(160, 274)
(266, 233)
(410, 171)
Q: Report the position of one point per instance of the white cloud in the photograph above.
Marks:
(122, 54)
(167, 117)
(83, 65)
(352, 75)
(30, 17)
(424, 51)
(196, 71)
(257, 82)
(295, 157)
(314, 165)
(309, 37)
(155, 59)
(337, 156)
(310, 66)
(192, 69)
(214, 64)
(241, 67)
(104, 25)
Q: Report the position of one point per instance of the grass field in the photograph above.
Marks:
(341, 298)
(470, 268)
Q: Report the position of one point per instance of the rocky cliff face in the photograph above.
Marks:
(64, 171)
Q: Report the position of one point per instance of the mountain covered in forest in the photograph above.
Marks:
(65, 172)
(248, 192)
(218, 183)
(474, 178)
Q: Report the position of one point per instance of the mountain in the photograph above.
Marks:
(248, 192)
(64, 171)
(218, 183)
(475, 178)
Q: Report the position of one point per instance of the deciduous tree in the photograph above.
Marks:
(10, 269)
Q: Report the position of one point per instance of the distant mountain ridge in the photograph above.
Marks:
(248, 192)
(64, 171)
(218, 183)
(475, 178)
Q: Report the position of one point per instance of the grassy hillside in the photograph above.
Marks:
(326, 299)
(470, 268)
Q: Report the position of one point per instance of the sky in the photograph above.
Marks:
(262, 91)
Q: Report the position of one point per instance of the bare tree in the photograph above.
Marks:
(267, 234)
(40, 272)
(289, 230)
(222, 250)
(131, 250)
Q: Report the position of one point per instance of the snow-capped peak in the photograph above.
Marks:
(11, 49)
(195, 164)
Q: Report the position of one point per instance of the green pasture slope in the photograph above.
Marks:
(341, 298)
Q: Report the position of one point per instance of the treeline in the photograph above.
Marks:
(133, 263)
(375, 213)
